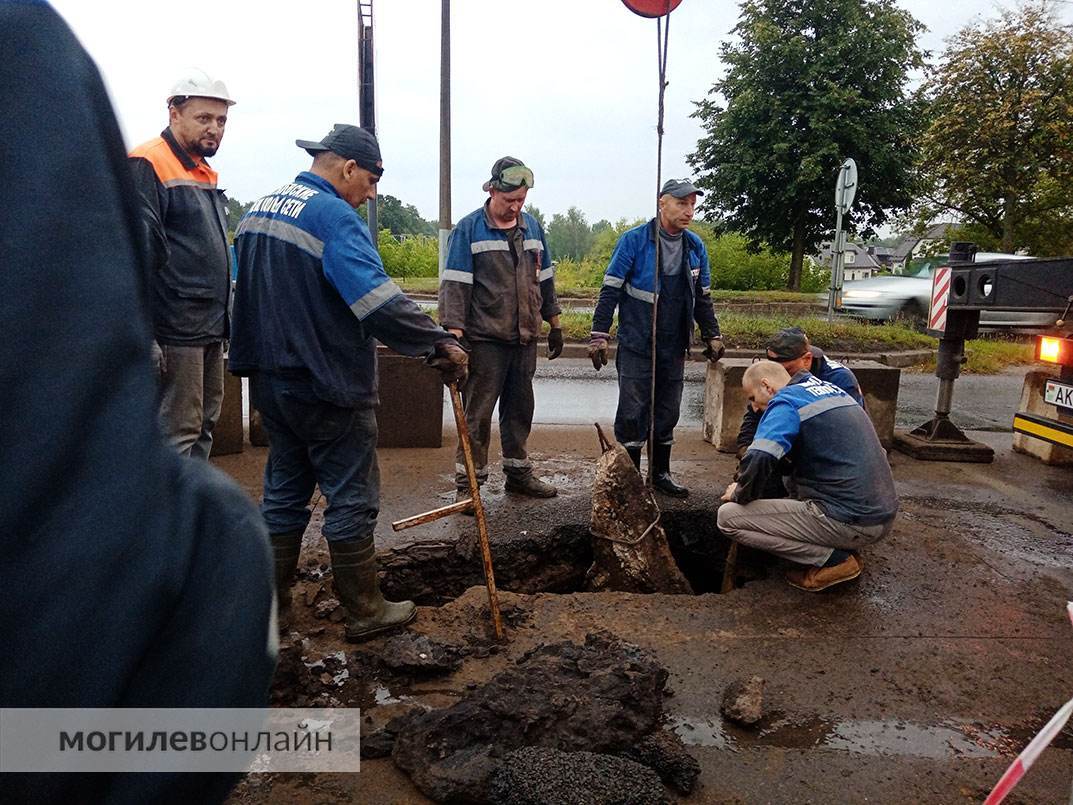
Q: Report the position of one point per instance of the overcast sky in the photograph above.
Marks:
(568, 86)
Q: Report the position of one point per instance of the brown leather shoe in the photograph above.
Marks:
(814, 579)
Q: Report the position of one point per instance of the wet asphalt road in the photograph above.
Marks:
(569, 392)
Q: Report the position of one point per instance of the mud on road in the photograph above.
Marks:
(919, 682)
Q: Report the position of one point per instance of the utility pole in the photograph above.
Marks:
(445, 129)
(367, 90)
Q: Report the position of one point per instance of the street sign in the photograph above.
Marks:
(846, 186)
(652, 8)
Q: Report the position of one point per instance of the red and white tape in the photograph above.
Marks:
(1025, 760)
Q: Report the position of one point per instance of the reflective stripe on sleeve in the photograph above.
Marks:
(281, 230)
(546, 273)
(613, 282)
(452, 275)
(768, 446)
(644, 296)
(375, 298)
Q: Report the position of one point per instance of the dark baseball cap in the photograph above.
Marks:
(679, 188)
(349, 142)
(788, 344)
(505, 179)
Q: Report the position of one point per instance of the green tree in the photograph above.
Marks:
(569, 236)
(600, 226)
(809, 83)
(534, 210)
(235, 210)
(999, 151)
(401, 219)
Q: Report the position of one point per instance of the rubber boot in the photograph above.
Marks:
(635, 456)
(368, 614)
(285, 550)
(661, 472)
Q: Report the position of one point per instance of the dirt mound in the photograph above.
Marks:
(604, 696)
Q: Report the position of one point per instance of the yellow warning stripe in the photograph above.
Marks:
(1022, 425)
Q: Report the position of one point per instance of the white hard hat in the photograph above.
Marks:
(199, 84)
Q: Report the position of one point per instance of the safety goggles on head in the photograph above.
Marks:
(515, 176)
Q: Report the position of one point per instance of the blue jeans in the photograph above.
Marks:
(313, 442)
(634, 390)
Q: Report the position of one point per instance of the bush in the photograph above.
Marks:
(413, 256)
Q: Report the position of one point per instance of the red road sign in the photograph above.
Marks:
(940, 295)
(652, 8)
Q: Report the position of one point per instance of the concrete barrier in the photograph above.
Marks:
(724, 399)
(227, 436)
(411, 402)
(1032, 403)
(410, 413)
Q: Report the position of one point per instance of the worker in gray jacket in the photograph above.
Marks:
(497, 287)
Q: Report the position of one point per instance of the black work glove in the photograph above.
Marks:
(713, 349)
(598, 350)
(451, 361)
(555, 343)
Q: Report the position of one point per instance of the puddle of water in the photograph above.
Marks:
(861, 737)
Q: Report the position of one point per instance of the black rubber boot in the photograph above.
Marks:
(285, 550)
(635, 456)
(368, 614)
(661, 472)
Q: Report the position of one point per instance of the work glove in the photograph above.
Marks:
(713, 349)
(451, 361)
(598, 350)
(555, 343)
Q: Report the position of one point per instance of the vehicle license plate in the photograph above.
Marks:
(1060, 394)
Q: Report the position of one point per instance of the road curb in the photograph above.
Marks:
(898, 359)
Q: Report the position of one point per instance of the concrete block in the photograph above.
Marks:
(411, 402)
(724, 399)
(227, 437)
(1032, 403)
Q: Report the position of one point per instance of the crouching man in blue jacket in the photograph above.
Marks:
(846, 498)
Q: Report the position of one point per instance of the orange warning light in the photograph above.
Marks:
(1050, 349)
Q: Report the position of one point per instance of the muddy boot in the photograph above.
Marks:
(285, 550)
(635, 456)
(463, 494)
(368, 614)
(661, 472)
(531, 486)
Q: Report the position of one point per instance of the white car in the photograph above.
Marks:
(907, 296)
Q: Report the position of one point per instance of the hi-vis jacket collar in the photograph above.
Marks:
(180, 153)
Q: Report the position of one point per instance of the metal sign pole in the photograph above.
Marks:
(445, 130)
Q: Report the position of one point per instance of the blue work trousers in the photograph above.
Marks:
(312, 442)
(634, 389)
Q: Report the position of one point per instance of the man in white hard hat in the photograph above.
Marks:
(189, 280)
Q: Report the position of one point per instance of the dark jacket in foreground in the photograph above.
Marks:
(129, 577)
(838, 460)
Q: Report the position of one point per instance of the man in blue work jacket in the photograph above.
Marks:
(497, 289)
(632, 284)
(790, 347)
(845, 492)
(312, 296)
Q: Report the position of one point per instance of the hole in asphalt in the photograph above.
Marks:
(557, 561)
